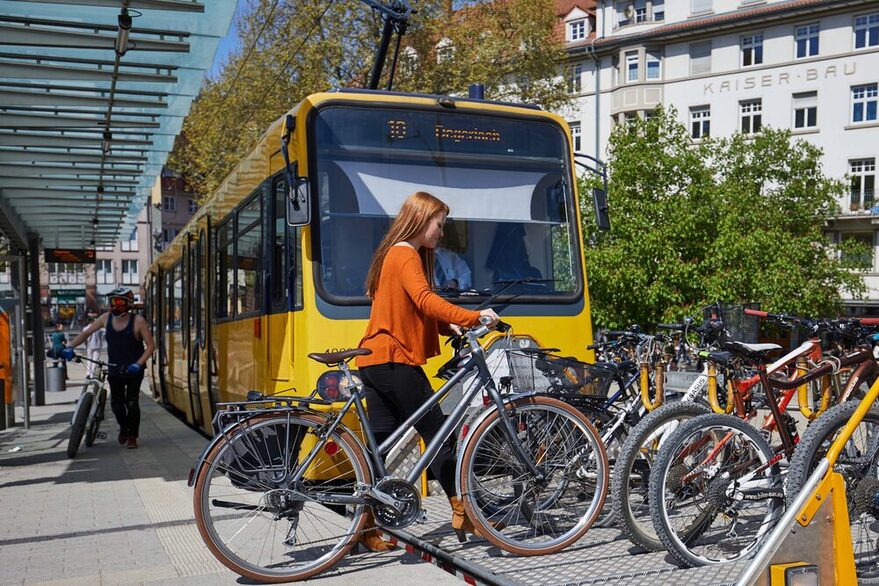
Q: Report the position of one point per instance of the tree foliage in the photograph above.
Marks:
(737, 219)
(291, 49)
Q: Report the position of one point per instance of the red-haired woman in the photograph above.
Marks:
(403, 332)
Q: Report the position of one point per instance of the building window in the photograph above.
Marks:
(701, 6)
(751, 112)
(575, 136)
(700, 121)
(575, 74)
(193, 206)
(867, 31)
(653, 66)
(807, 40)
(863, 261)
(130, 245)
(632, 66)
(658, 10)
(104, 272)
(864, 98)
(863, 183)
(752, 50)
(169, 203)
(5, 273)
(129, 272)
(700, 58)
(577, 30)
(806, 110)
(640, 10)
(445, 51)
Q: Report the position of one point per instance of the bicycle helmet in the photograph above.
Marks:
(123, 292)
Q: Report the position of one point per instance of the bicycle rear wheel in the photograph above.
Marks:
(513, 508)
(858, 463)
(80, 418)
(714, 496)
(260, 526)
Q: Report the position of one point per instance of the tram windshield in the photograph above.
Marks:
(506, 181)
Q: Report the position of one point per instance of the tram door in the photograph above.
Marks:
(206, 359)
(279, 322)
(193, 284)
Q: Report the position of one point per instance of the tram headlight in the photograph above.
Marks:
(333, 385)
(793, 574)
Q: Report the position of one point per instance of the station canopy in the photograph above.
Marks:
(92, 95)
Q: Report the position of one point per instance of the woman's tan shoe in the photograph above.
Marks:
(461, 523)
(371, 538)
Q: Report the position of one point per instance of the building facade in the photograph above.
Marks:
(177, 206)
(729, 66)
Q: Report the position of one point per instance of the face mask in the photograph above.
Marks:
(119, 307)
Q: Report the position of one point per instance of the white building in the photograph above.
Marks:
(734, 66)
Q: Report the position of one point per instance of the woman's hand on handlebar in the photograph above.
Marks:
(488, 317)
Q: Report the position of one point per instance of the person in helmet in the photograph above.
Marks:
(129, 346)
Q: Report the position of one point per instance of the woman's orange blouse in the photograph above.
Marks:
(406, 315)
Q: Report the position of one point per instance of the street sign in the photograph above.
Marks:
(71, 255)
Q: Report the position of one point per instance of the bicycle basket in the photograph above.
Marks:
(537, 370)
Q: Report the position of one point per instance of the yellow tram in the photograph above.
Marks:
(242, 295)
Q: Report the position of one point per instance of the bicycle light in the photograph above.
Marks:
(333, 385)
(794, 574)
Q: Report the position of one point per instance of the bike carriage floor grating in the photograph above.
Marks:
(602, 556)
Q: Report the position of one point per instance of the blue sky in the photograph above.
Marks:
(229, 43)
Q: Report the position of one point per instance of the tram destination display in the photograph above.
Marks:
(70, 255)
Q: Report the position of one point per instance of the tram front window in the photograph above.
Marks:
(506, 181)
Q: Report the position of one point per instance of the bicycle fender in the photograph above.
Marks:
(507, 399)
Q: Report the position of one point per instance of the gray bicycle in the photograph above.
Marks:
(89, 411)
(284, 489)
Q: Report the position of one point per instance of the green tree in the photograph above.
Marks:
(735, 219)
(292, 49)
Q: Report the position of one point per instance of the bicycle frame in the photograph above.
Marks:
(483, 382)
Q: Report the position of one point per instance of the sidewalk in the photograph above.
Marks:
(118, 516)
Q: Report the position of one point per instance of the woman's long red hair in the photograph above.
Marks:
(416, 213)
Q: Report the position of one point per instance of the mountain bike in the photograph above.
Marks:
(89, 411)
(715, 488)
(857, 462)
(284, 490)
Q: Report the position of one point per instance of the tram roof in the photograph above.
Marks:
(84, 132)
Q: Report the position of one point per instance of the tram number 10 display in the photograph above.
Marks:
(399, 129)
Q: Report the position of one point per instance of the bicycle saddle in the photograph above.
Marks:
(756, 352)
(340, 356)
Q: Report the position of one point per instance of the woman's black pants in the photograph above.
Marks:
(393, 393)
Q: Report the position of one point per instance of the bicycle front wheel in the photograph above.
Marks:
(517, 510)
(715, 491)
(80, 418)
(94, 426)
(259, 525)
(631, 474)
(858, 463)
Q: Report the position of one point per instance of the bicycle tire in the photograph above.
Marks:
(246, 466)
(94, 426)
(689, 545)
(80, 418)
(545, 426)
(634, 519)
(862, 485)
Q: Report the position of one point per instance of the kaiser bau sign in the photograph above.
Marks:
(750, 82)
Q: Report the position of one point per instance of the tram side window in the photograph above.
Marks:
(169, 298)
(279, 247)
(247, 260)
(225, 278)
(177, 312)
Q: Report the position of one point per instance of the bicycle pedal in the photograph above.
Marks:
(422, 517)
(101, 435)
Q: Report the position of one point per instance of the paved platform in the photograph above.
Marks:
(118, 516)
